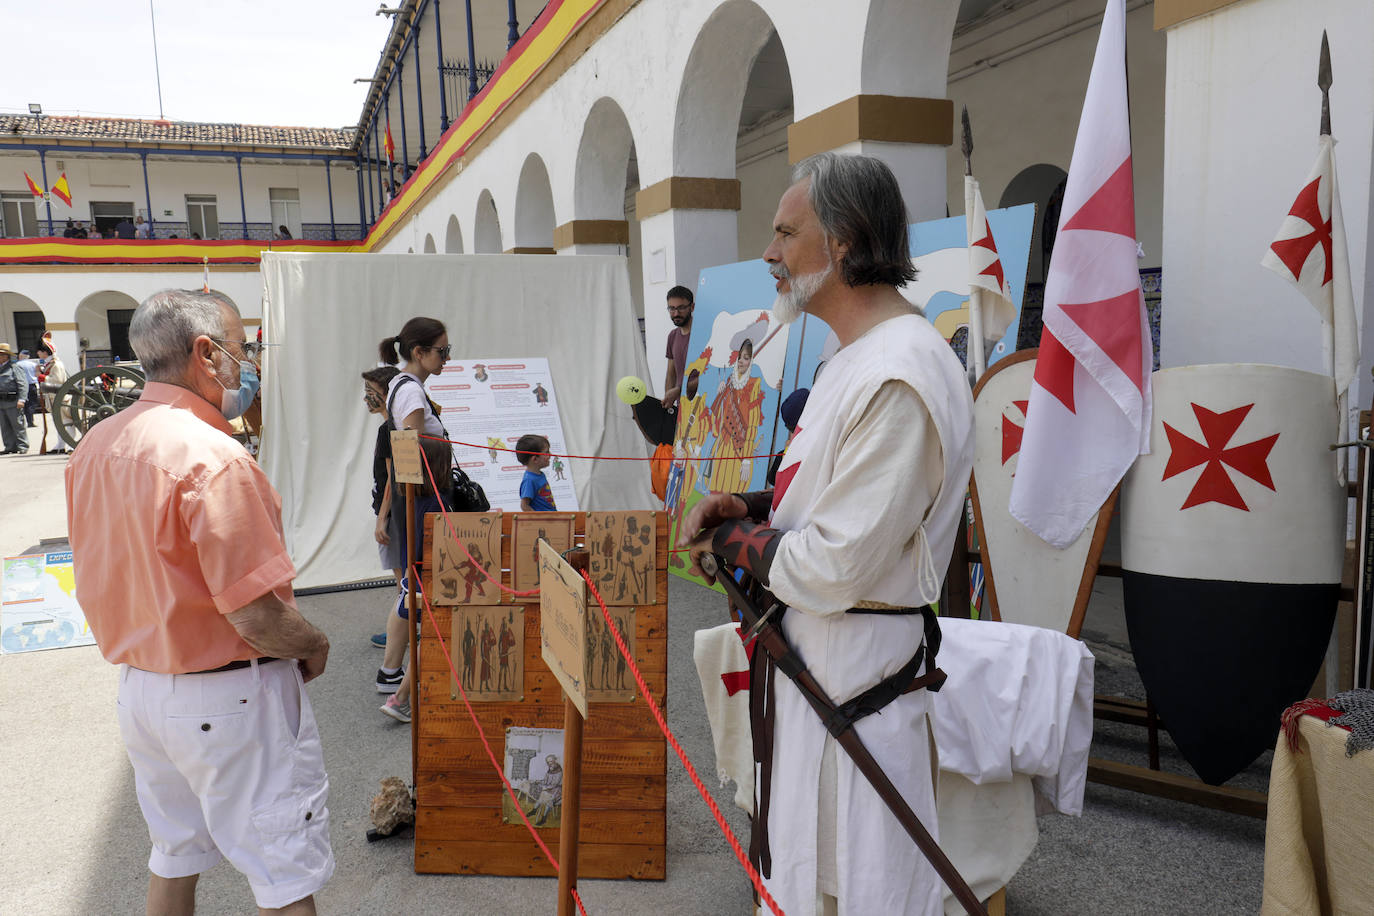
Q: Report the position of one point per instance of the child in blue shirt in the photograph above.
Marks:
(535, 495)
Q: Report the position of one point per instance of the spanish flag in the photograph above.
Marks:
(63, 190)
(33, 185)
(388, 145)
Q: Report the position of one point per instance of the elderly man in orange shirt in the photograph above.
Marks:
(187, 586)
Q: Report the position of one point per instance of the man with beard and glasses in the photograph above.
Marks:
(854, 539)
(183, 573)
(658, 419)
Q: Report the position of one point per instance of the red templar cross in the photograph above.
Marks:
(1214, 485)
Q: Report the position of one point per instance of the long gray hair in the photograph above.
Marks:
(166, 325)
(858, 202)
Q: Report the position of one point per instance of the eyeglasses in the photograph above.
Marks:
(443, 351)
(672, 309)
(251, 349)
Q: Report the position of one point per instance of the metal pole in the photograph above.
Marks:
(243, 207)
(362, 213)
(439, 49)
(378, 143)
(47, 195)
(419, 87)
(147, 194)
(472, 56)
(514, 34)
(329, 192)
(405, 147)
(157, 69)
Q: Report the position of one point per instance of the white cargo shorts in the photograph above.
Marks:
(229, 765)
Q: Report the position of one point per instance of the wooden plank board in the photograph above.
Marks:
(1176, 787)
(459, 823)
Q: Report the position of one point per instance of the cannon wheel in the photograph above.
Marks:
(91, 395)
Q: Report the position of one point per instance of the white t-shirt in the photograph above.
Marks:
(410, 397)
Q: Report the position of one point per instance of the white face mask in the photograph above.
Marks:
(235, 401)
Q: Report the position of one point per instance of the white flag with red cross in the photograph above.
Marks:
(1089, 411)
(991, 310)
(1309, 252)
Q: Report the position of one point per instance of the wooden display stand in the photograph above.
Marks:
(459, 823)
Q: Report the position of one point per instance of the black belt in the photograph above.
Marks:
(236, 665)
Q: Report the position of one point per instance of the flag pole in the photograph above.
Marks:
(975, 349)
(1332, 661)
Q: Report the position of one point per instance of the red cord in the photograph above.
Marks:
(682, 755)
(497, 448)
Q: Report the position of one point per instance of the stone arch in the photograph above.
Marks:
(102, 322)
(453, 236)
(534, 216)
(603, 157)
(429, 244)
(1041, 184)
(906, 47)
(21, 321)
(486, 231)
(706, 122)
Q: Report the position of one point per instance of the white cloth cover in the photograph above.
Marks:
(1019, 699)
(326, 313)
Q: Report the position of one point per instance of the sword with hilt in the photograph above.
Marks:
(763, 627)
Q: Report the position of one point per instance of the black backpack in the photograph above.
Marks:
(464, 494)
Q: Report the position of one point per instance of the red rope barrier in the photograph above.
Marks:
(497, 448)
(682, 755)
(486, 745)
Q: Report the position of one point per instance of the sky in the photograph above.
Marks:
(285, 63)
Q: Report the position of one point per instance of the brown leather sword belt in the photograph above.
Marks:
(763, 712)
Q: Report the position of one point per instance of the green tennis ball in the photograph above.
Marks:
(630, 389)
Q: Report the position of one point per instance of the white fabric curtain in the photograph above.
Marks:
(326, 313)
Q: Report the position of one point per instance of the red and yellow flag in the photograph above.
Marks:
(388, 145)
(33, 185)
(63, 190)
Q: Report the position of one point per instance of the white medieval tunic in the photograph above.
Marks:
(869, 496)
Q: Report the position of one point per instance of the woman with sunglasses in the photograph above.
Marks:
(422, 348)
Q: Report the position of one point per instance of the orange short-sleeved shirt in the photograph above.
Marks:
(172, 526)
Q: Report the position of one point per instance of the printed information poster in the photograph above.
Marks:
(491, 403)
(38, 608)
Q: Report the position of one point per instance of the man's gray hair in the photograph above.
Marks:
(858, 202)
(166, 325)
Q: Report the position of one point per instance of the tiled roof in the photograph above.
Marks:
(59, 127)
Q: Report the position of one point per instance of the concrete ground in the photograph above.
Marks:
(76, 843)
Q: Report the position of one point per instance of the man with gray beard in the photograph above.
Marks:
(854, 539)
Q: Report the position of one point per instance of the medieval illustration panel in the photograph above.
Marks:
(488, 652)
(608, 677)
(621, 545)
(468, 566)
(527, 529)
(534, 766)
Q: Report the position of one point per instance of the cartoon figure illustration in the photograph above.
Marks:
(488, 643)
(630, 575)
(479, 371)
(506, 643)
(548, 791)
(607, 647)
(693, 427)
(620, 659)
(469, 655)
(494, 446)
(737, 417)
(474, 577)
(558, 469)
(541, 394)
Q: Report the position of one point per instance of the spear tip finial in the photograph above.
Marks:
(1324, 83)
(967, 145)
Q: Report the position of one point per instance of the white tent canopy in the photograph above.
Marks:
(324, 314)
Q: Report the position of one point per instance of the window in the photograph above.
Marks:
(286, 210)
(28, 330)
(107, 214)
(18, 217)
(202, 216)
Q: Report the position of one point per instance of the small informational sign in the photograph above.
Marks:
(562, 624)
(622, 556)
(527, 530)
(534, 766)
(608, 680)
(38, 608)
(467, 558)
(491, 652)
(405, 456)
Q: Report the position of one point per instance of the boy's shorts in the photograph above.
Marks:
(229, 765)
